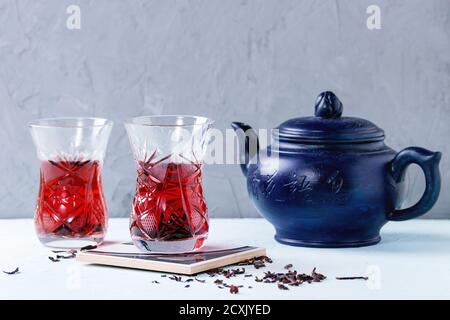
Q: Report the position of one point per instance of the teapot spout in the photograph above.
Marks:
(248, 144)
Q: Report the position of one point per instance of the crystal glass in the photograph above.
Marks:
(71, 210)
(169, 211)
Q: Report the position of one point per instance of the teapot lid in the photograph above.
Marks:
(328, 125)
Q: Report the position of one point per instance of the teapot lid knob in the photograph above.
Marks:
(328, 106)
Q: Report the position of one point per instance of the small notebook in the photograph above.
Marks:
(128, 256)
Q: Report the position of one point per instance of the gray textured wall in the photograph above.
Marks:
(257, 61)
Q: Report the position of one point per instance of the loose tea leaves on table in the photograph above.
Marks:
(352, 278)
(232, 285)
(291, 278)
(282, 279)
(15, 271)
(317, 277)
(232, 272)
(282, 287)
(176, 278)
(227, 273)
(89, 247)
(234, 289)
(257, 262)
(70, 255)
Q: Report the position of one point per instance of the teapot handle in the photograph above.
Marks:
(429, 162)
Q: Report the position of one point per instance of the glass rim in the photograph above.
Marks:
(77, 122)
(203, 121)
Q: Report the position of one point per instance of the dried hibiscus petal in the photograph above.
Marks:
(15, 271)
(282, 287)
(317, 277)
(234, 289)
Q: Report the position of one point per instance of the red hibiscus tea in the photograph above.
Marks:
(169, 211)
(70, 211)
(70, 203)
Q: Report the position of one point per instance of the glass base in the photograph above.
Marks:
(70, 243)
(177, 246)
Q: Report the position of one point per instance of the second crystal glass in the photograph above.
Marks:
(169, 211)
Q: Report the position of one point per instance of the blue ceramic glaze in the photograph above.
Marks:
(330, 181)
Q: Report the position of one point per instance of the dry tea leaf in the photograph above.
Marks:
(282, 287)
(15, 271)
(352, 278)
(175, 278)
(89, 247)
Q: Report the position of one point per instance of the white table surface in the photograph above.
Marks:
(412, 261)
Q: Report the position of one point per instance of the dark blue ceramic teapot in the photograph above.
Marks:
(330, 181)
